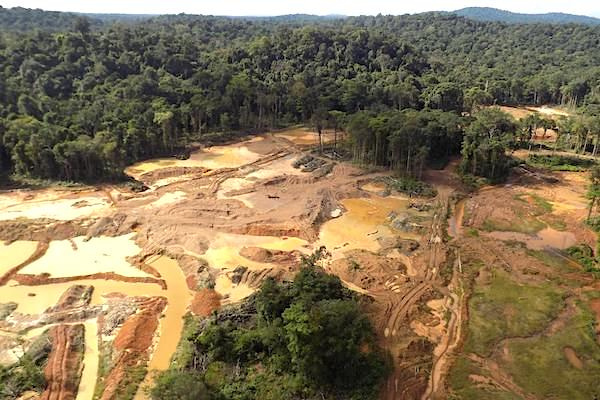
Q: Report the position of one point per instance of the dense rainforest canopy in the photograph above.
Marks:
(80, 98)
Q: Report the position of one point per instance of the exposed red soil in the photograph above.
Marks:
(64, 366)
(132, 345)
(205, 302)
(191, 281)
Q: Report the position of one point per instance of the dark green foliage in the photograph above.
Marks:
(560, 162)
(23, 19)
(307, 339)
(179, 385)
(487, 139)
(27, 374)
(410, 186)
(83, 103)
(585, 256)
(405, 140)
(312, 285)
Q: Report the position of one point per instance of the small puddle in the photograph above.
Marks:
(233, 184)
(14, 254)
(547, 237)
(279, 167)
(572, 357)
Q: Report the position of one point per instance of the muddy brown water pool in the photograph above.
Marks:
(12, 255)
(215, 157)
(361, 225)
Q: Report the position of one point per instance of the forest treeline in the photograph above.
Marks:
(82, 102)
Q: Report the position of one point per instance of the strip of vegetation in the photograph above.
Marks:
(307, 339)
(409, 186)
(584, 255)
(560, 162)
(525, 225)
(543, 206)
(26, 374)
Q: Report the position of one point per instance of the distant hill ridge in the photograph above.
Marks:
(20, 19)
(494, 14)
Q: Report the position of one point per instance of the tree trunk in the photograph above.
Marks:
(334, 139)
(593, 202)
(584, 144)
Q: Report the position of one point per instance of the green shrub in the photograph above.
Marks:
(304, 339)
(410, 186)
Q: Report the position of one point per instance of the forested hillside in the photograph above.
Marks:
(494, 14)
(23, 19)
(82, 103)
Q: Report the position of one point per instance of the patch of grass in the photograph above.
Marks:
(131, 381)
(526, 225)
(540, 367)
(594, 223)
(463, 388)
(554, 222)
(552, 260)
(472, 182)
(472, 232)
(560, 163)
(353, 266)
(517, 310)
(104, 367)
(514, 244)
(541, 202)
(542, 206)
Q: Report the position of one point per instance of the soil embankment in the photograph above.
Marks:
(63, 369)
